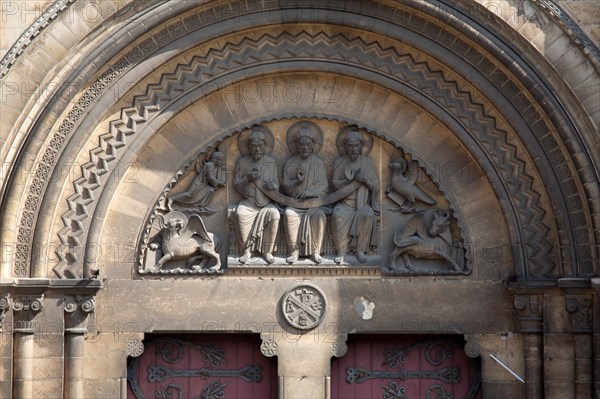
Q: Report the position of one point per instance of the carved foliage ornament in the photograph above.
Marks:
(316, 201)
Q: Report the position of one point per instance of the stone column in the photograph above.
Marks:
(25, 308)
(23, 360)
(534, 388)
(530, 325)
(304, 366)
(596, 339)
(6, 347)
(74, 363)
(580, 311)
(77, 310)
(559, 350)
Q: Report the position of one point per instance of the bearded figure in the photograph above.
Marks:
(256, 218)
(353, 219)
(305, 177)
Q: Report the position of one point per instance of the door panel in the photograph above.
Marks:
(405, 367)
(207, 366)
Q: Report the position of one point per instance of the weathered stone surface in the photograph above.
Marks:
(500, 122)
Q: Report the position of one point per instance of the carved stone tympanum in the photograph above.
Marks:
(305, 193)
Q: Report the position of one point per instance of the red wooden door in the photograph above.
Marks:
(202, 366)
(405, 367)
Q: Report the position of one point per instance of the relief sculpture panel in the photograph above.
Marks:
(303, 193)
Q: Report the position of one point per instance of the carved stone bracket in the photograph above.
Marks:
(581, 313)
(529, 313)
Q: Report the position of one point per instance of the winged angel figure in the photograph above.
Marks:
(181, 238)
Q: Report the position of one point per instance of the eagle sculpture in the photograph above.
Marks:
(403, 188)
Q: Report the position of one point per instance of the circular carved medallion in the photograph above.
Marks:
(303, 307)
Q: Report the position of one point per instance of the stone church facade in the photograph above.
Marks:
(300, 199)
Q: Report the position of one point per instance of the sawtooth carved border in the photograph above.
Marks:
(402, 16)
(248, 52)
(549, 7)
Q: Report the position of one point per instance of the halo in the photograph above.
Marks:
(292, 133)
(243, 139)
(176, 215)
(341, 138)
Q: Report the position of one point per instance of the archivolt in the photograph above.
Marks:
(540, 115)
(290, 50)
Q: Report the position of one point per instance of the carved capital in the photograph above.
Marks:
(77, 309)
(581, 313)
(4, 307)
(529, 312)
(24, 326)
(28, 303)
(73, 303)
(25, 308)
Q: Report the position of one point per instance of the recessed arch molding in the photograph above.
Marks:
(542, 214)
